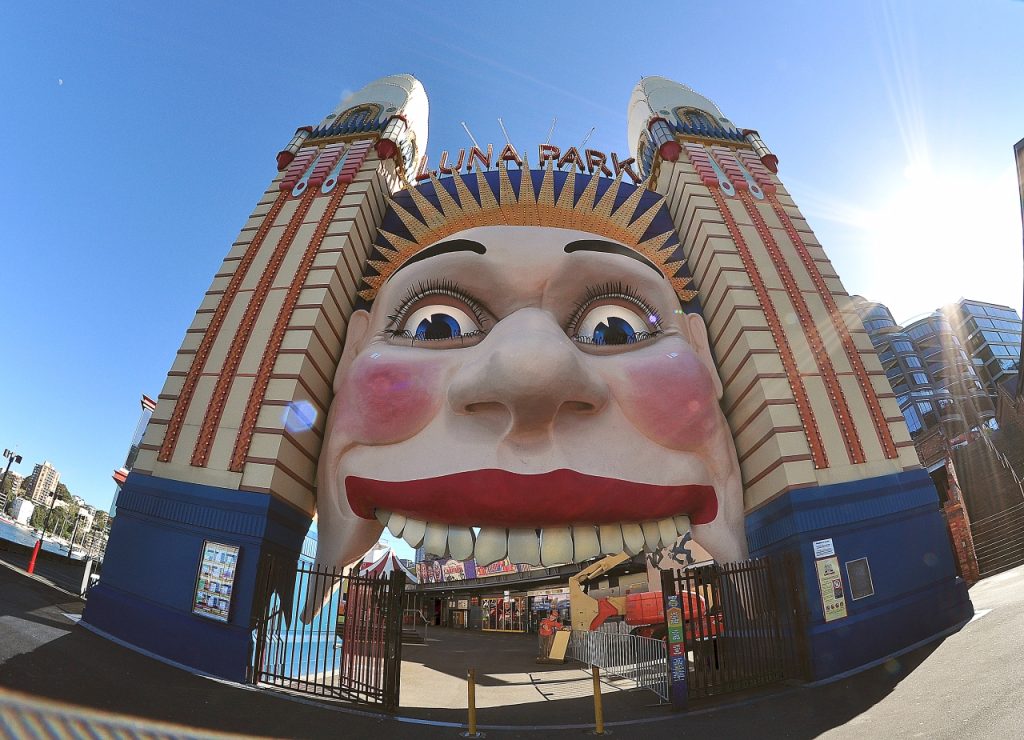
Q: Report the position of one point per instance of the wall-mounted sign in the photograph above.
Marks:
(463, 604)
(824, 548)
(215, 581)
(859, 573)
(830, 582)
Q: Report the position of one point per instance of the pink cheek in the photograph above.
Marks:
(670, 399)
(383, 401)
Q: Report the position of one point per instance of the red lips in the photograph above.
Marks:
(499, 498)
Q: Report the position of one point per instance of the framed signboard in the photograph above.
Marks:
(215, 581)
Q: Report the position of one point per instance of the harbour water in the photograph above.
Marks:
(25, 536)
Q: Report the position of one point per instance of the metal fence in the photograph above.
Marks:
(641, 660)
(743, 624)
(351, 649)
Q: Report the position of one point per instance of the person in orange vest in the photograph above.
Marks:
(548, 626)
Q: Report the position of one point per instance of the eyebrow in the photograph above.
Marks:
(605, 247)
(453, 245)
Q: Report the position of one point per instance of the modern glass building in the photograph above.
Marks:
(991, 334)
(929, 371)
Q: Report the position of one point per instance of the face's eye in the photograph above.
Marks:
(613, 324)
(438, 321)
(614, 315)
(438, 315)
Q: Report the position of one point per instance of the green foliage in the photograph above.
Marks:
(100, 522)
(63, 494)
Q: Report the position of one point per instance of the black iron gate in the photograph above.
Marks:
(350, 649)
(744, 624)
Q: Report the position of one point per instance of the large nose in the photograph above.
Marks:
(528, 368)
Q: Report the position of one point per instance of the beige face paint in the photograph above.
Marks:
(517, 422)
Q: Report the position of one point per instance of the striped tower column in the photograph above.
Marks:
(828, 465)
(231, 451)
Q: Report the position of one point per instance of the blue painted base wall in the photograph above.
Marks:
(895, 522)
(152, 561)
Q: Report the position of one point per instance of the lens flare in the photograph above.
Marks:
(299, 416)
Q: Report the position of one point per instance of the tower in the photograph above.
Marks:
(230, 454)
(828, 464)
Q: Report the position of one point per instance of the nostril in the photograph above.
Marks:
(579, 407)
(474, 408)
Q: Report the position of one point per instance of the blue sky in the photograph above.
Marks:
(138, 138)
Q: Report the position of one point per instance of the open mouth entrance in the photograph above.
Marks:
(549, 519)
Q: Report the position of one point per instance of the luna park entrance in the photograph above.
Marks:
(350, 649)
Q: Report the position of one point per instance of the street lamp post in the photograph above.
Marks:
(71, 544)
(11, 458)
(39, 542)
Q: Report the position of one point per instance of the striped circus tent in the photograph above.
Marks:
(381, 561)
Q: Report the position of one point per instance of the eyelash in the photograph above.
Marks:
(423, 290)
(450, 289)
(612, 290)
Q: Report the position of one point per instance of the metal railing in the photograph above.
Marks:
(351, 648)
(641, 660)
(743, 625)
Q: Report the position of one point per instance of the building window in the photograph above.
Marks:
(912, 361)
(903, 346)
(695, 117)
(919, 378)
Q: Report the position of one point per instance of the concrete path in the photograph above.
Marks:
(58, 675)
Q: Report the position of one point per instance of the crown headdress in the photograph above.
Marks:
(627, 220)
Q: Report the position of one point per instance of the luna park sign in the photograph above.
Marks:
(590, 161)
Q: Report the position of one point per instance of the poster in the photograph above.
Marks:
(830, 582)
(494, 569)
(215, 581)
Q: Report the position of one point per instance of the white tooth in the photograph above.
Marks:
(652, 535)
(413, 532)
(611, 539)
(667, 527)
(556, 546)
(382, 516)
(460, 542)
(491, 545)
(632, 539)
(682, 524)
(435, 539)
(523, 546)
(585, 544)
(396, 524)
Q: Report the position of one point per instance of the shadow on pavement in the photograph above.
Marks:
(69, 664)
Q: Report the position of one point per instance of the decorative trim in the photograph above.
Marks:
(803, 404)
(837, 398)
(852, 353)
(215, 411)
(356, 157)
(188, 389)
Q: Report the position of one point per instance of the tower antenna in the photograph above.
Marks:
(587, 137)
(470, 134)
(551, 130)
(502, 124)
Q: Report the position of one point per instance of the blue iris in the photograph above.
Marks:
(616, 331)
(438, 326)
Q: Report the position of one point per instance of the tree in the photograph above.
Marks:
(99, 522)
(63, 494)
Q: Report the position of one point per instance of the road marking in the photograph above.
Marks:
(73, 617)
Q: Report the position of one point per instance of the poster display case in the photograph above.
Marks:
(215, 581)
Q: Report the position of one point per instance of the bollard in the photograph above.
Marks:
(598, 710)
(35, 554)
(471, 687)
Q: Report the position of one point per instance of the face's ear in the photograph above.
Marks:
(355, 338)
(697, 334)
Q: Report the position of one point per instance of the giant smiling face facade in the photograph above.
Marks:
(527, 391)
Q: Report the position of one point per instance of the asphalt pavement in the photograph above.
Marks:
(56, 674)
